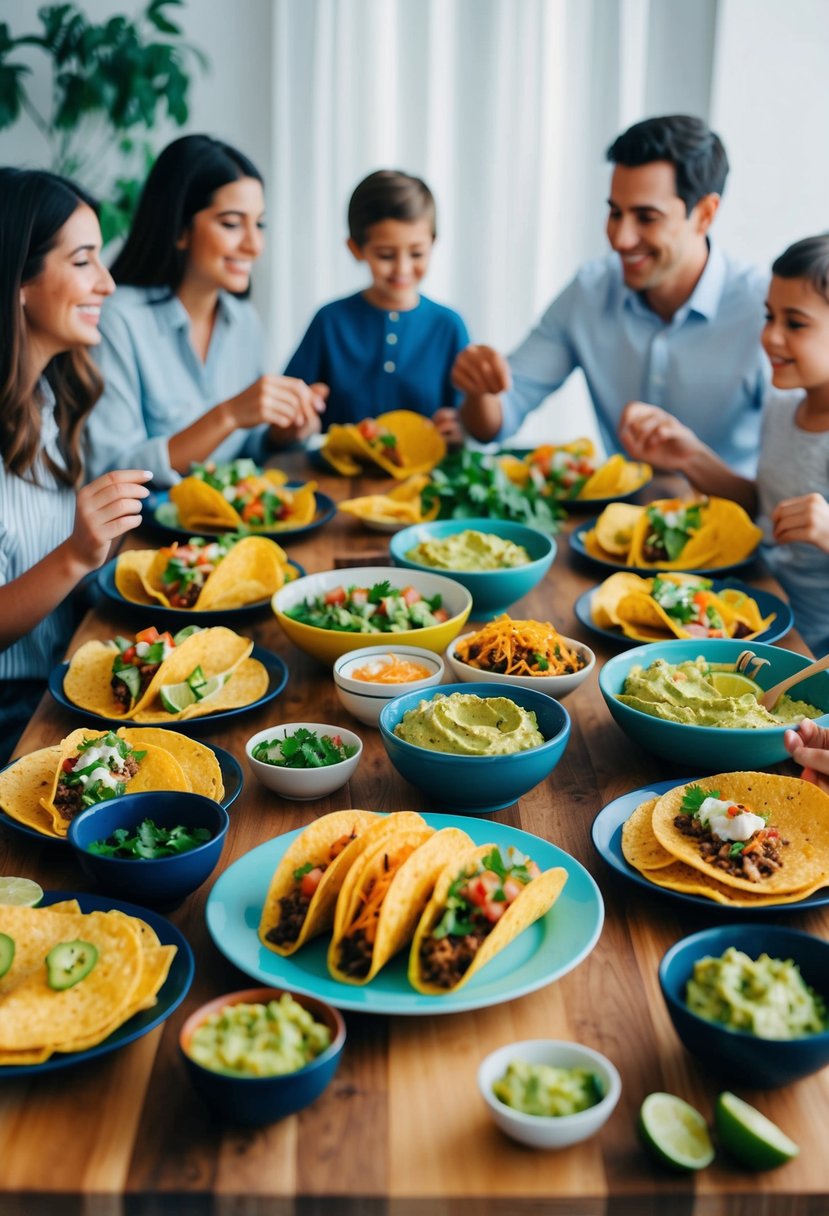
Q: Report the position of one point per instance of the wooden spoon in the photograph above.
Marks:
(769, 699)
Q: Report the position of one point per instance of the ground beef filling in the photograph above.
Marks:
(355, 954)
(760, 863)
(69, 798)
(293, 908)
(122, 693)
(445, 961)
(186, 598)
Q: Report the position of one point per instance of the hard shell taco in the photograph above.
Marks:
(400, 442)
(239, 494)
(570, 470)
(675, 605)
(383, 897)
(674, 534)
(482, 901)
(303, 891)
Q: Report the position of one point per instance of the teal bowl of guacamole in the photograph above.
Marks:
(664, 696)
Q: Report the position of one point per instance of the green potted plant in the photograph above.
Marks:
(110, 81)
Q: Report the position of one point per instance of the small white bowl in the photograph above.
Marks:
(365, 700)
(542, 1131)
(302, 784)
(553, 686)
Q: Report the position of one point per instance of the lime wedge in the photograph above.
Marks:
(176, 697)
(675, 1132)
(210, 687)
(749, 1136)
(22, 892)
(734, 684)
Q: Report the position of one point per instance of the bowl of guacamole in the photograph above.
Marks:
(498, 561)
(664, 696)
(548, 1093)
(749, 1001)
(259, 1055)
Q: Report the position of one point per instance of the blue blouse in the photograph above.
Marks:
(375, 360)
(155, 384)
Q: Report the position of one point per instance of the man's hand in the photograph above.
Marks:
(480, 369)
(652, 434)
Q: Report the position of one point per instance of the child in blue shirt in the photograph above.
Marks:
(387, 347)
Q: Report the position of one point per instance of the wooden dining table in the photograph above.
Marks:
(402, 1129)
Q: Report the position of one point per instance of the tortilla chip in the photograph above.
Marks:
(605, 599)
(534, 902)
(402, 504)
(798, 809)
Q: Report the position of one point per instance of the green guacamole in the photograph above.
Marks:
(766, 997)
(468, 725)
(259, 1040)
(541, 1089)
(470, 550)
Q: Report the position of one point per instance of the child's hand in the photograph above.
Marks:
(652, 434)
(803, 519)
(809, 746)
(480, 369)
(106, 509)
(448, 425)
(280, 401)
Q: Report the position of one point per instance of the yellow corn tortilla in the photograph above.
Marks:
(312, 848)
(534, 902)
(420, 445)
(613, 533)
(26, 783)
(798, 809)
(616, 477)
(197, 761)
(639, 845)
(254, 569)
(408, 892)
(401, 504)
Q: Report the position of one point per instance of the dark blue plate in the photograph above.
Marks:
(578, 546)
(172, 992)
(232, 779)
(766, 602)
(607, 839)
(277, 679)
(177, 618)
(578, 504)
(161, 517)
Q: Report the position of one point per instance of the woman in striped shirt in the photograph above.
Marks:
(52, 533)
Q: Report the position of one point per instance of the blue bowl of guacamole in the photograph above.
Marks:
(641, 673)
(745, 1002)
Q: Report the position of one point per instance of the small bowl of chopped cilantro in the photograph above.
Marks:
(153, 848)
(304, 760)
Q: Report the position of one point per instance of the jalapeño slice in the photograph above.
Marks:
(68, 963)
(6, 953)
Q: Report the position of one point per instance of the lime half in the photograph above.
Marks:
(733, 684)
(176, 697)
(749, 1136)
(22, 892)
(675, 1132)
(210, 687)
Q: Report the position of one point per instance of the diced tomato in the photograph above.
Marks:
(68, 764)
(440, 614)
(335, 596)
(493, 910)
(147, 635)
(166, 638)
(410, 595)
(512, 889)
(129, 655)
(368, 428)
(284, 511)
(359, 597)
(253, 510)
(477, 891)
(310, 881)
(336, 740)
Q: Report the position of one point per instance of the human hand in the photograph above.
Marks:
(805, 519)
(280, 401)
(448, 426)
(480, 369)
(809, 746)
(104, 510)
(652, 434)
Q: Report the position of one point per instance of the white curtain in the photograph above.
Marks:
(505, 107)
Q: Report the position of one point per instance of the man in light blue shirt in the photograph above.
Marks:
(666, 319)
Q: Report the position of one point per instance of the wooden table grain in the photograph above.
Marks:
(402, 1130)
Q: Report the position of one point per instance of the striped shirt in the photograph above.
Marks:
(34, 520)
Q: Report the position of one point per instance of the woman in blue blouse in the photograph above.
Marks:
(182, 354)
(52, 285)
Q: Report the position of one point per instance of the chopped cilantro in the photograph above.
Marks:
(693, 799)
(149, 842)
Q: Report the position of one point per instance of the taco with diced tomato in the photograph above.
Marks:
(401, 443)
(239, 494)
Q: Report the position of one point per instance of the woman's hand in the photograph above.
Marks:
(279, 401)
(809, 746)
(106, 509)
(804, 519)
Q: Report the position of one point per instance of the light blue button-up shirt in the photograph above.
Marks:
(155, 384)
(705, 365)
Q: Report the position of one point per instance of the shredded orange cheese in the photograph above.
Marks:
(520, 648)
(390, 669)
(372, 897)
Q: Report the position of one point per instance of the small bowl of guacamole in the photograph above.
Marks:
(750, 1001)
(549, 1093)
(259, 1055)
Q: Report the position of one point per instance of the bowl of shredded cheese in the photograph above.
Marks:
(527, 654)
(368, 679)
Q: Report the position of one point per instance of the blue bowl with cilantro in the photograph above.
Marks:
(712, 749)
(153, 848)
(492, 591)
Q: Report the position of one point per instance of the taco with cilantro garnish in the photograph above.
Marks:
(672, 534)
(401, 443)
(239, 494)
(675, 605)
(571, 471)
(483, 899)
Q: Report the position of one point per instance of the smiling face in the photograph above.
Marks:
(662, 248)
(62, 305)
(397, 253)
(225, 239)
(796, 334)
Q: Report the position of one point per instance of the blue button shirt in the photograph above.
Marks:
(376, 360)
(705, 365)
(155, 384)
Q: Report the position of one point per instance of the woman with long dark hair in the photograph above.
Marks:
(182, 354)
(52, 534)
